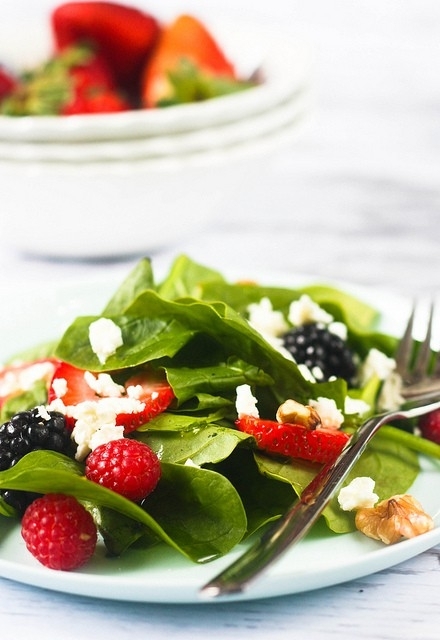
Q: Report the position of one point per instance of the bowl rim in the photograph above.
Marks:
(225, 134)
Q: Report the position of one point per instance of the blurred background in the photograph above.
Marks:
(355, 194)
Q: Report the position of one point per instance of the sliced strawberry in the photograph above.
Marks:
(75, 81)
(71, 386)
(7, 83)
(184, 47)
(124, 35)
(18, 378)
(68, 383)
(294, 440)
(156, 394)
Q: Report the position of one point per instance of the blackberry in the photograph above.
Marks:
(314, 345)
(28, 431)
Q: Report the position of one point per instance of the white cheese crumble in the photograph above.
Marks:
(305, 310)
(59, 387)
(43, 413)
(23, 379)
(270, 324)
(104, 385)
(358, 494)
(265, 320)
(377, 364)
(390, 396)
(331, 416)
(246, 403)
(91, 416)
(104, 434)
(338, 329)
(105, 337)
(355, 405)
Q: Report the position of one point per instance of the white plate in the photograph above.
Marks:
(285, 64)
(161, 575)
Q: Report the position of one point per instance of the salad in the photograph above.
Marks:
(193, 382)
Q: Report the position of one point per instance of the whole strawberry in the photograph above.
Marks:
(429, 426)
(126, 466)
(59, 532)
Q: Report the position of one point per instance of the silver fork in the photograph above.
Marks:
(421, 388)
(416, 363)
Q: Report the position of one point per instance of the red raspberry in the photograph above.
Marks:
(429, 426)
(126, 466)
(59, 532)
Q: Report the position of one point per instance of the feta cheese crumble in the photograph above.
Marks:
(359, 494)
(104, 385)
(265, 320)
(305, 310)
(59, 387)
(105, 337)
(355, 405)
(246, 403)
(376, 364)
(331, 416)
(93, 416)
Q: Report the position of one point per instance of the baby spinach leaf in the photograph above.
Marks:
(185, 279)
(264, 498)
(144, 339)
(199, 508)
(137, 281)
(215, 380)
(196, 511)
(207, 445)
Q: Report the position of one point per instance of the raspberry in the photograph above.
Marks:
(314, 345)
(59, 532)
(126, 466)
(429, 426)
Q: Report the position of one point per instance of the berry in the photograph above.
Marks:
(187, 65)
(126, 466)
(314, 345)
(429, 426)
(59, 532)
(28, 431)
(294, 440)
(152, 391)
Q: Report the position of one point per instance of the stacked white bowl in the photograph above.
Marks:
(92, 186)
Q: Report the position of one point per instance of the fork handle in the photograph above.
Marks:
(301, 516)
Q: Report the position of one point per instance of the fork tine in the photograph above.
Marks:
(404, 350)
(424, 354)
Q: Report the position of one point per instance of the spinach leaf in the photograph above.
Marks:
(196, 511)
(186, 278)
(140, 279)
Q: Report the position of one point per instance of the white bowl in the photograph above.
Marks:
(285, 66)
(112, 209)
(225, 134)
(107, 186)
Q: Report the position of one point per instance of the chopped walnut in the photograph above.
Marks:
(294, 412)
(401, 516)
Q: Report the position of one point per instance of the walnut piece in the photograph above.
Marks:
(401, 516)
(296, 413)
